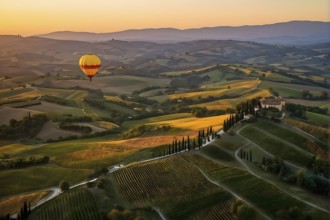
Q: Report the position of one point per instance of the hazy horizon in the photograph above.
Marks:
(29, 17)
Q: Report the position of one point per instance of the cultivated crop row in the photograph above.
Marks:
(74, 205)
(163, 182)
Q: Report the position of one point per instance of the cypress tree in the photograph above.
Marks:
(188, 143)
(25, 208)
(194, 143)
(250, 156)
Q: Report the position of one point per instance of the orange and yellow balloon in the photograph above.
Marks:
(90, 64)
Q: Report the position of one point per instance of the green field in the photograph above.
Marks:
(136, 123)
(217, 153)
(253, 189)
(8, 93)
(15, 181)
(318, 119)
(84, 153)
(283, 133)
(274, 146)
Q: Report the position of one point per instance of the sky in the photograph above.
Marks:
(29, 17)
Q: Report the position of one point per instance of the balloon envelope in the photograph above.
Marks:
(90, 64)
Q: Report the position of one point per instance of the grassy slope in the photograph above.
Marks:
(318, 119)
(136, 123)
(193, 123)
(23, 180)
(253, 189)
(274, 146)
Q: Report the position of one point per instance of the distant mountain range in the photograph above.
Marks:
(293, 32)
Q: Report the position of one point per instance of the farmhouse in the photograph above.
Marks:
(278, 103)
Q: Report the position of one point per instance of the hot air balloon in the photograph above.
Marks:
(90, 64)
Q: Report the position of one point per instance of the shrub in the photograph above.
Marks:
(64, 185)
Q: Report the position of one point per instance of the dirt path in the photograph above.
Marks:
(159, 213)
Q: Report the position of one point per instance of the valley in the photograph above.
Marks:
(135, 134)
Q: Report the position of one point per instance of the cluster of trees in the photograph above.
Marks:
(22, 215)
(313, 184)
(64, 185)
(22, 162)
(245, 155)
(277, 167)
(320, 167)
(29, 126)
(298, 110)
(248, 106)
(232, 120)
(186, 144)
(79, 128)
(309, 96)
(242, 109)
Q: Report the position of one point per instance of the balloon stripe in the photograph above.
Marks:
(90, 66)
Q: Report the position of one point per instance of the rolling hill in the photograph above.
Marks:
(294, 32)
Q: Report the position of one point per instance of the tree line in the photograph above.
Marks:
(298, 110)
(29, 126)
(188, 144)
(22, 162)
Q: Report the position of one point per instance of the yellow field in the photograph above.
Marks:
(261, 93)
(105, 124)
(177, 73)
(235, 89)
(14, 148)
(103, 153)
(244, 84)
(14, 203)
(216, 105)
(231, 103)
(193, 123)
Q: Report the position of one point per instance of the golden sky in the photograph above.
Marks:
(28, 17)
